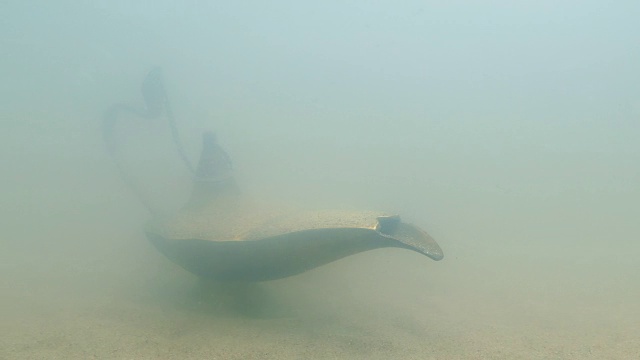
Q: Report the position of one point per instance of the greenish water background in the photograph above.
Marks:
(508, 131)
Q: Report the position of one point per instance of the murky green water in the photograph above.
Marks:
(507, 131)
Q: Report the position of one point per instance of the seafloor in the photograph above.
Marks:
(72, 299)
(78, 280)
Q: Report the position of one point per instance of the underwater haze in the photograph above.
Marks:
(508, 130)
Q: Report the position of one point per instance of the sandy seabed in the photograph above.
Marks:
(121, 300)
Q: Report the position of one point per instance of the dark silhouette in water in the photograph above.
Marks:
(219, 235)
(156, 102)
